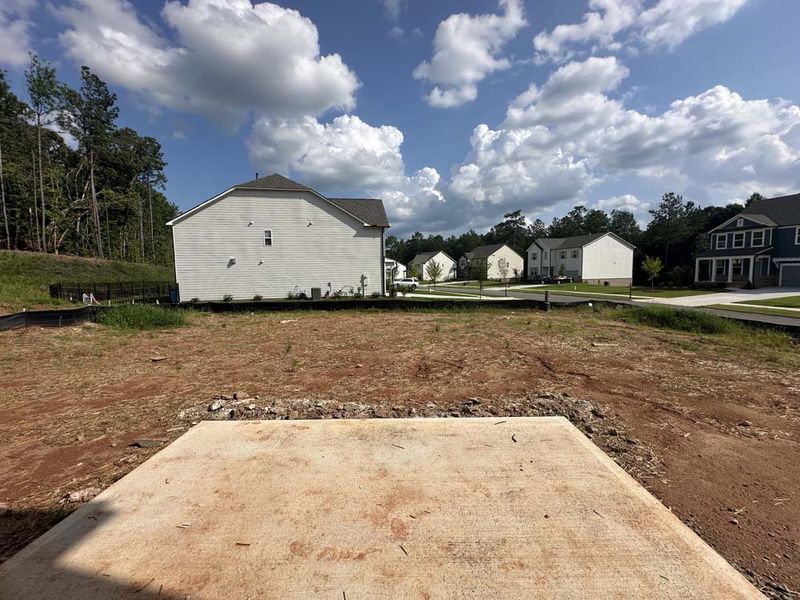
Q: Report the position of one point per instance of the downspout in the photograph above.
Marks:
(383, 263)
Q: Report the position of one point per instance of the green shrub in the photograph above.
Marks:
(258, 298)
(693, 321)
(227, 298)
(141, 317)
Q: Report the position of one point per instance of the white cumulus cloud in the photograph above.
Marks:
(559, 140)
(15, 28)
(611, 25)
(346, 154)
(466, 49)
(230, 57)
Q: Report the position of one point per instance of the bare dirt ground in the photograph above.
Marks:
(710, 425)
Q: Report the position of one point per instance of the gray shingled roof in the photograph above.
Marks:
(784, 210)
(733, 252)
(576, 241)
(369, 210)
(484, 251)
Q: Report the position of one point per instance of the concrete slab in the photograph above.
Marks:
(352, 510)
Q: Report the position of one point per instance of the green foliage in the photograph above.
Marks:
(227, 298)
(652, 266)
(562, 270)
(142, 317)
(25, 276)
(434, 271)
(47, 198)
(692, 321)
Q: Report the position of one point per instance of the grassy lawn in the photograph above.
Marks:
(788, 302)
(24, 276)
(758, 310)
(618, 290)
(472, 284)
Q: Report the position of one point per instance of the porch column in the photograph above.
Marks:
(696, 270)
(730, 270)
(752, 263)
(713, 270)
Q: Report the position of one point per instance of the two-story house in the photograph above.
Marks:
(495, 261)
(597, 258)
(760, 245)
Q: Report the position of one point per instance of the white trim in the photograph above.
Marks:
(763, 233)
(733, 241)
(797, 236)
(717, 238)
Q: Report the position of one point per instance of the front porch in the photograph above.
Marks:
(733, 270)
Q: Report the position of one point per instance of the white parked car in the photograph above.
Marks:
(411, 282)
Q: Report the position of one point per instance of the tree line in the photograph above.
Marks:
(100, 196)
(674, 234)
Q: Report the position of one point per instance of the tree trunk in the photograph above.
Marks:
(3, 199)
(150, 203)
(141, 230)
(35, 203)
(95, 208)
(41, 180)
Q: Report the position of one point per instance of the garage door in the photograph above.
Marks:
(790, 276)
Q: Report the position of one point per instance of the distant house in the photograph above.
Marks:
(394, 269)
(421, 261)
(273, 236)
(495, 261)
(761, 245)
(597, 258)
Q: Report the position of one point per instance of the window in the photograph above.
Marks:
(738, 240)
(574, 254)
(533, 255)
(758, 238)
(737, 266)
(739, 222)
(562, 255)
(797, 236)
(544, 254)
(722, 242)
(268, 237)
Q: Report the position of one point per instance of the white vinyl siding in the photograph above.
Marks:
(607, 258)
(314, 244)
(507, 256)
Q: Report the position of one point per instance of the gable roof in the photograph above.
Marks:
(275, 181)
(484, 251)
(369, 211)
(576, 241)
(426, 256)
(784, 210)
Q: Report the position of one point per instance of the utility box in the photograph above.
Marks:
(316, 293)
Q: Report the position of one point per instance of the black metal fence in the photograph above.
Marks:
(117, 291)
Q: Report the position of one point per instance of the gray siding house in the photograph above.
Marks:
(760, 245)
(273, 236)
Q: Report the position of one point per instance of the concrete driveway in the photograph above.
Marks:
(726, 297)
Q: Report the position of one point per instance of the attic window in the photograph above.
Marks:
(739, 222)
(268, 237)
(574, 254)
(533, 255)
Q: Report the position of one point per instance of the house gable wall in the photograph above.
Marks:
(314, 244)
(607, 258)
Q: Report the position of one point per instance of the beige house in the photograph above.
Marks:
(495, 261)
(598, 258)
(421, 261)
(273, 237)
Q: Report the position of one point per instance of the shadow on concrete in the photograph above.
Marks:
(34, 573)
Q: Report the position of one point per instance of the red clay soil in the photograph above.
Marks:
(723, 422)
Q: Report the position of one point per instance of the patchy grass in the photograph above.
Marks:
(758, 310)
(788, 302)
(691, 321)
(142, 317)
(618, 290)
(25, 276)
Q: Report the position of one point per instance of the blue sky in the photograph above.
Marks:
(453, 112)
